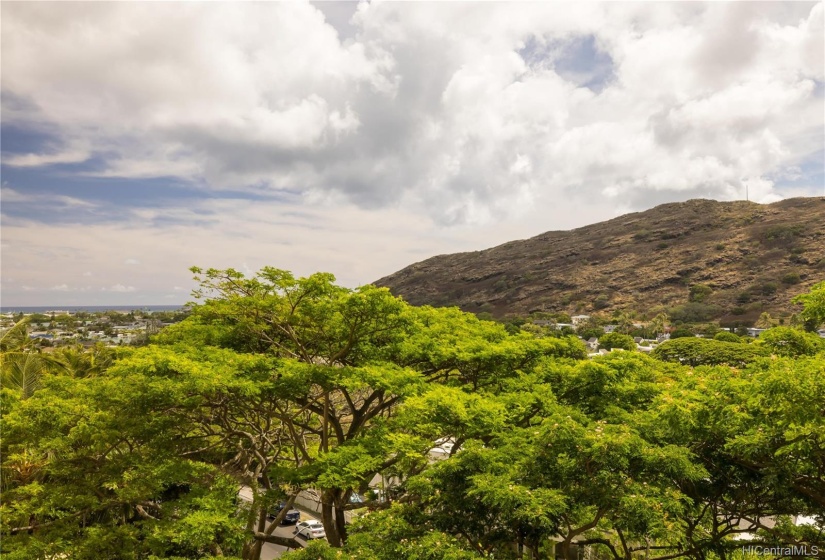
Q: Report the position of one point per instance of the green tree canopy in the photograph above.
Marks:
(617, 340)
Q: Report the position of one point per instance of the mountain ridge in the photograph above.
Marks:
(737, 259)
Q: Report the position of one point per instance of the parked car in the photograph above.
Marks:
(312, 529)
(292, 517)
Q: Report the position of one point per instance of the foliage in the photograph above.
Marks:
(701, 351)
(813, 312)
(699, 293)
(617, 340)
(693, 312)
(590, 332)
(283, 384)
(726, 336)
(681, 332)
(21, 367)
(787, 341)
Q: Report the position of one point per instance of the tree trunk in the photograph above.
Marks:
(328, 519)
(341, 524)
(252, 551)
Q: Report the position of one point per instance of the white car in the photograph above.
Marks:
(312, 529)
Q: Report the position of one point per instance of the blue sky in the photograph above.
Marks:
(356, 138)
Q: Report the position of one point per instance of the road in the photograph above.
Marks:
(270, 551)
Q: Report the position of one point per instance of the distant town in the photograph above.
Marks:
(55, 328)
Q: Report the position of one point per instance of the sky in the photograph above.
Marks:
(140, 138)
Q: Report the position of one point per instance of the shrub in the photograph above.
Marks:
(784, 233)
(726, 336)
(693, 312)
(699, 292)
(601, 302)
(769, 288)
(791, 277)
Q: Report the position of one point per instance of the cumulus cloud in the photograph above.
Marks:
(465, 113)
(355, 129)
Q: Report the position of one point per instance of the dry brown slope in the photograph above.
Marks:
(754, 257)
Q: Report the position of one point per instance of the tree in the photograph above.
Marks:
(701, 351)
(813, 312)
(617, 340)
(659, 323)
(345, 360)
(765, 321)
(681, 332)
(787, 341)
(699, 293)
(21, 366)
(590, 332)
(624, 321)
(103, 464)
(84, 362)
(726, 336)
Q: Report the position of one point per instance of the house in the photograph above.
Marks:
(592, 343)
(663, 337)
(755, 332)
(579, 319)
(610, 328)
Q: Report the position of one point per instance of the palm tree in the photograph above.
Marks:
(765, 321)
(82, 362)
(624, 321)
(21, 367)
(659, 323)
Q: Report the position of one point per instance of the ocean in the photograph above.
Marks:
(89, 308)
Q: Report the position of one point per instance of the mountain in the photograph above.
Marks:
(703, 259)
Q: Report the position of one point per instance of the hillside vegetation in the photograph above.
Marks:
(724, 261)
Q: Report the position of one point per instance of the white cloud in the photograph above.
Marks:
(426, 104)
(453, 114)
(36, 160)
(60, 288)
(7, 194)
(120, 288)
